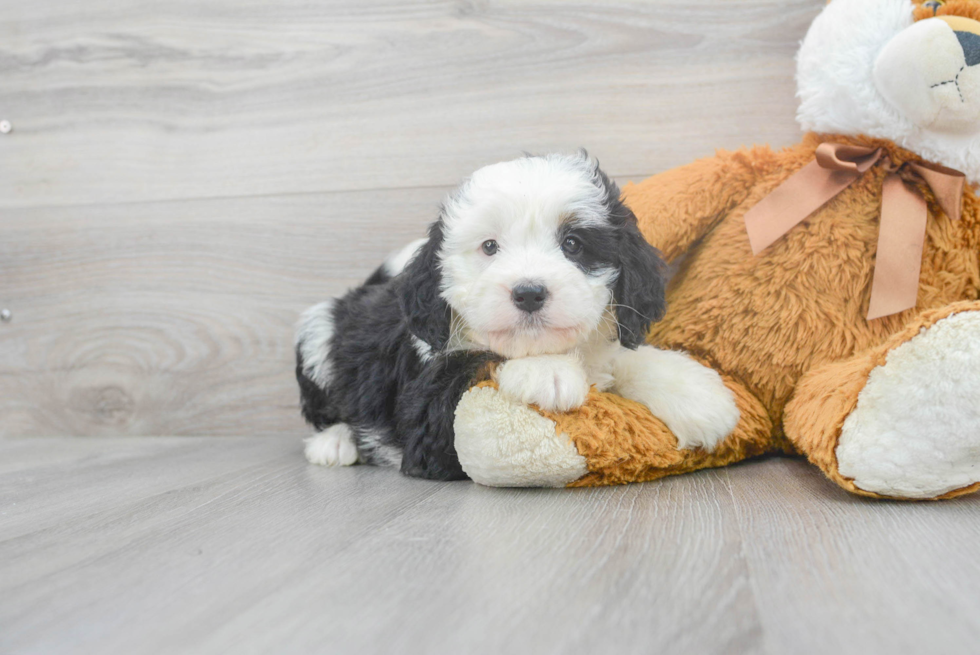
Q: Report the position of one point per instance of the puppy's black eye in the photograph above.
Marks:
(490, 247)
(571, 246)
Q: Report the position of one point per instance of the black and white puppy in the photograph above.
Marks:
(535, 273)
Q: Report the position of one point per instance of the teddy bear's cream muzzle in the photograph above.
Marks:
(931, 73)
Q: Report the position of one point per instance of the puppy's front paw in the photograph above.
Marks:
(333, 446)
(689, 398)
(555, 383)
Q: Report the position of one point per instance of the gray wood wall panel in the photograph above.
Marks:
(182, 178)
(177, 317)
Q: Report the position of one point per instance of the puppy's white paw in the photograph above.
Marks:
(688, 397)
(333, 446)
(554, 383)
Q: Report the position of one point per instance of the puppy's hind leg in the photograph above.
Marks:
(334, 446)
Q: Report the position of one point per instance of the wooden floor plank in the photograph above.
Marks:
(161, 545)
(277, 555)
(626, 569)
(837, 573)
(98, 578)
(109, 474)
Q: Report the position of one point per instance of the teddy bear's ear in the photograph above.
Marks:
(419, 288)
(639, 294)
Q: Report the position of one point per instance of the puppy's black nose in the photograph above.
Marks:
(529, 297)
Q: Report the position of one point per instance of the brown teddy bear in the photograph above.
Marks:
(834, 285)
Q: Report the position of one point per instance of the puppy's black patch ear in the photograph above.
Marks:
(427, 314)
(640, 289)
(639, 294)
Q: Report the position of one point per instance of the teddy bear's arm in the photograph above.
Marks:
(677, 207)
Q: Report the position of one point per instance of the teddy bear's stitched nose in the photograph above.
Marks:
(970, 43)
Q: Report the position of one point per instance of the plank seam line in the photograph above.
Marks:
(284, 194)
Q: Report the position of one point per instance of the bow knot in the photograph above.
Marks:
(901, 233)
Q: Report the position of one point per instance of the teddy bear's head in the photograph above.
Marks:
(899, 70)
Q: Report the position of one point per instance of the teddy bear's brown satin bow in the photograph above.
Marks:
(901, 233)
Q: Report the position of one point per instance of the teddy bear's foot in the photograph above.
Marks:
(501, 442)
(915, 432)
(902, 421)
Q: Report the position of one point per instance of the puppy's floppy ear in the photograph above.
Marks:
(419, 287)
(639, 293)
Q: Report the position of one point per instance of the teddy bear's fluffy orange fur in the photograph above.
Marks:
(894, 401)
(787, 330)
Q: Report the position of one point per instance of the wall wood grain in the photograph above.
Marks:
(182, 179)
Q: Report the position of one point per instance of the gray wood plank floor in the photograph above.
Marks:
(236, 545)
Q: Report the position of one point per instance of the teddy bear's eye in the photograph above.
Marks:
(934, 5)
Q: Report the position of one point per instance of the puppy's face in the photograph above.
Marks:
(528, 255)
(533, 256)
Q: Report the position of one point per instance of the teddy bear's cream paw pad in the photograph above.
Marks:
(555, 383)
(333, 446)
(915, 432)
(504, 443)
(687, 396)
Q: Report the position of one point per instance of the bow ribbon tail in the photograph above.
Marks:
(901, 236)
(947, 186)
